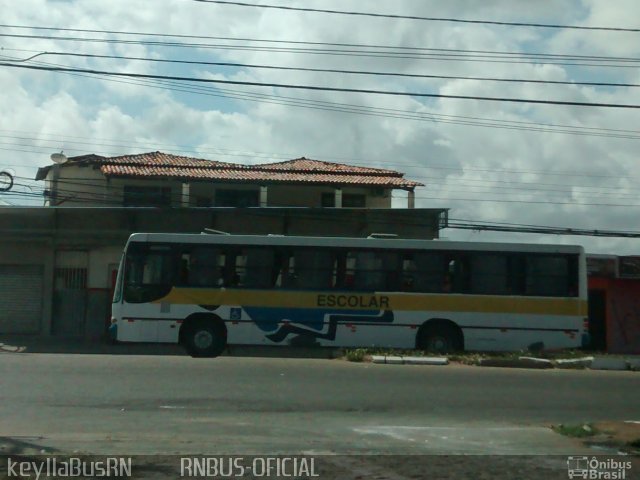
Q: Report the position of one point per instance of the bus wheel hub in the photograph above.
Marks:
(203, 339)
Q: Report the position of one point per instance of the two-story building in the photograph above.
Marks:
(158, 179)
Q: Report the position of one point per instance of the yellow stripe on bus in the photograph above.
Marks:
(377, 301)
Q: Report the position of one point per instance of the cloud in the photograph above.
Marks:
(463, 165)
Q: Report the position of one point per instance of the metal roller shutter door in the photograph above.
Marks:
(20, 298)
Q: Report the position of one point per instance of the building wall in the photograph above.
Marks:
(78, 185)
(100, 259)
(311, 196)
(116, 189)
(622, 297)
(103, 266)
(208, 190)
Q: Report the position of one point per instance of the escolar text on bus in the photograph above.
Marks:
(352, 301)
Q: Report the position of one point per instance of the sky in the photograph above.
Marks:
(487, 161)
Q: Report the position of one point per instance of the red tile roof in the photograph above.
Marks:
(251, 175)
(154, 159)
(300, 170)
(308, 165)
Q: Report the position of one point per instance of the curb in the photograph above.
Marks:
(521, 362)
(567, 363)
(634, 364)
(426, 360)
(593, 363)
(404, 360)
(606, 363)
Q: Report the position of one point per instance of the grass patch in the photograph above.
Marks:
(467, 358)
(576, 431)
(356, 355)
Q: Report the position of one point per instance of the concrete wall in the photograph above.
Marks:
(78, 185)
(100, 259)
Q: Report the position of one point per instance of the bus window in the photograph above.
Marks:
(391, 263)
(428, 272)
(409, 273)
(547, 275)
(254, 268)
(517, 274)
(457, 279)
(201, 267)
(314, 269)
(368, 273)
(281, 273)
(373, 270)
(489, 274)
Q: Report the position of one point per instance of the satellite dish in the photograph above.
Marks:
(59, 158)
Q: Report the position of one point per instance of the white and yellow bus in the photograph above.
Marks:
(209, 291)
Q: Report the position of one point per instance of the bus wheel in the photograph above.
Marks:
(203, 338)
(440, 337)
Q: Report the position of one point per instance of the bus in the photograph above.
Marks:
(209, 291)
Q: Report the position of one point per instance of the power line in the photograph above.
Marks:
(539, 229)
(386, 112)
(486, 187)
(330, 44)
(508, 57)
(62, 141)
(98, 196)
(393, 113)
(452, 223)
(414, 17)
(529, 186)
(549, 193)
(375, 111)
(330, 70)
(91, 197)
(462, 186)
(324, 88)
(429, 179)
(541, 202)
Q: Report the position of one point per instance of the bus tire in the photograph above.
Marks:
(440, 336)
(204, 337)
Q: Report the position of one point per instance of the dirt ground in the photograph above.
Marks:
(617, 435)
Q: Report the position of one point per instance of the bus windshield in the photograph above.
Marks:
(149, 272)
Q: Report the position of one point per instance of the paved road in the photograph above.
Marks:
(173, 404)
